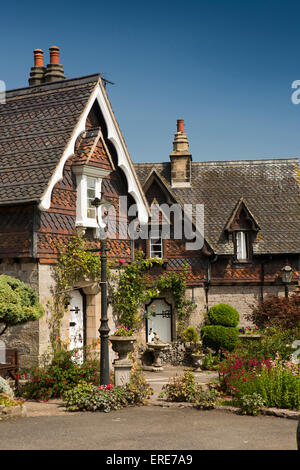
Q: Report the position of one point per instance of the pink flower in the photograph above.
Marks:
(122, 261)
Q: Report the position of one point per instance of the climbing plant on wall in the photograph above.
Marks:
(74, 263)
(133, 289)
(176, 283)
(130, 288)
(137, 287)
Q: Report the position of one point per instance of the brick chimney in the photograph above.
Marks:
(38, 70)
(180, 158)
(55, 70)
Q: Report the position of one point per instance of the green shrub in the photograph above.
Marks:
(18, 302)
(182, 388)
(277, 340)
(251, 404)
(138, 389)
(224, 315)
(206, 400)
(63, 373)
(273, 340)
(219, 337)
(190, 335)
(88, 397)
(210, 361)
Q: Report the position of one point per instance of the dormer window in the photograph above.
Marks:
(89, 182)
(241, 229)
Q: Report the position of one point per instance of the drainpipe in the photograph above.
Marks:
(208, 277)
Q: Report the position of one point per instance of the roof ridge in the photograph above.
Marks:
(250, 162)
(233, 162)
(28, 90)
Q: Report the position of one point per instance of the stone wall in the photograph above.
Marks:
(23, 337)
(242, 297)
(197, 317)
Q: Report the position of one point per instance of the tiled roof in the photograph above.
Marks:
(269, 187)
(36, 124)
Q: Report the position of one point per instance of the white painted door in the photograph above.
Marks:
(159, 320)
(76, 323)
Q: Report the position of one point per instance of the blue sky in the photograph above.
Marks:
(224, 66)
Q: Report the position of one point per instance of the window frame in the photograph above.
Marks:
(82, 173)
(246, 243)
(160, 240)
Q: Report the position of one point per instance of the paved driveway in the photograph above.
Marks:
(150, 428)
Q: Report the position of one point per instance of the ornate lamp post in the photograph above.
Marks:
(286, 276)
(104, 329)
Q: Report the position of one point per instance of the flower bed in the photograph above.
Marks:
(276, 381)
(62, 374)
(88, 397)
(184, 388)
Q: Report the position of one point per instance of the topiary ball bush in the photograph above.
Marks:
(223, 314)
(219, 337)
(190, 335)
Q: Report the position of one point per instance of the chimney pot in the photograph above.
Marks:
(55, 70)
(180, 125)
(38, 70)
(38, 58)
(54, 55)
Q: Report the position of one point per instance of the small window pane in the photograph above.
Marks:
(156, 248)
(242, 246)
(91, 182)
(91, 194)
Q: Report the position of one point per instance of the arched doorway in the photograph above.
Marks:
(159, 320)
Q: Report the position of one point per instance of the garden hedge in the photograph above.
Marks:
(219, 337)
(223, 314)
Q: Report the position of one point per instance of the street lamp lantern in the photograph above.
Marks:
(104, 328)
(286, 276)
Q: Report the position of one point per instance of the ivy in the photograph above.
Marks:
(136, 287)
(176, 283)
(75, 263)
(133, 290)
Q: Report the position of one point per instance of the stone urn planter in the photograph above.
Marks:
(197, 360)
(122, 345)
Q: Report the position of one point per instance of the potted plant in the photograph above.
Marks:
(247, 333)
(122, 341)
